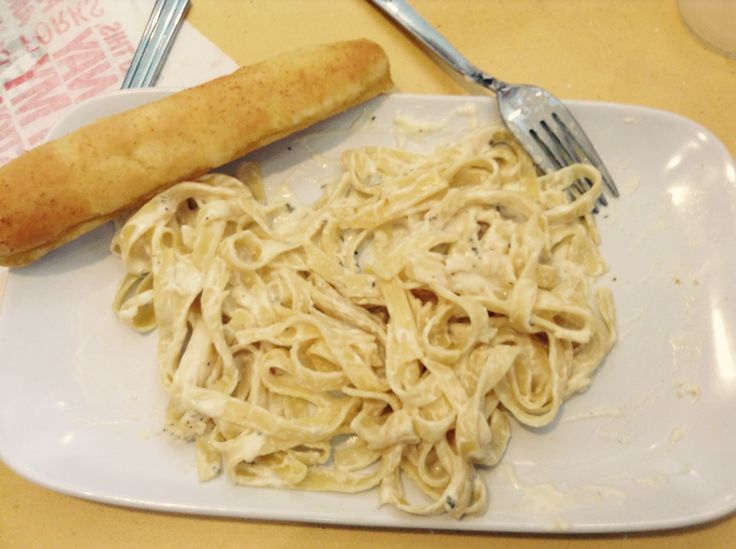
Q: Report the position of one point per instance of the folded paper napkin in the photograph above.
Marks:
(56, 53)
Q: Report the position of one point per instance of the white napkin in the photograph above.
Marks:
(55, 53)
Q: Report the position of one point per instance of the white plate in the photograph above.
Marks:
(650, 445)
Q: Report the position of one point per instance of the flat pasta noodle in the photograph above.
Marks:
(381, 337)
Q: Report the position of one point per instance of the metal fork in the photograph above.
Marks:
(153, 48)
(540, 121)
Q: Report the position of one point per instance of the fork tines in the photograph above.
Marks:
(565, 144)
(155, 43)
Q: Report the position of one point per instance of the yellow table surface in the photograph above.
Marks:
(626, 51)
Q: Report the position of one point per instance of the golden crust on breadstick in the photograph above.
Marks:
(60, 190)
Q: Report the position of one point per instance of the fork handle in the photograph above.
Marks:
(401, 12)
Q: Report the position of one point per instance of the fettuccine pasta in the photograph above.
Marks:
(381, 337)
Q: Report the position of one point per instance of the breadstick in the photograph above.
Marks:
(67, 187)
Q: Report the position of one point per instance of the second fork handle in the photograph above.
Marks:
(409, 19)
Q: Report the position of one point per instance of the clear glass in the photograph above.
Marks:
(713, 21)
